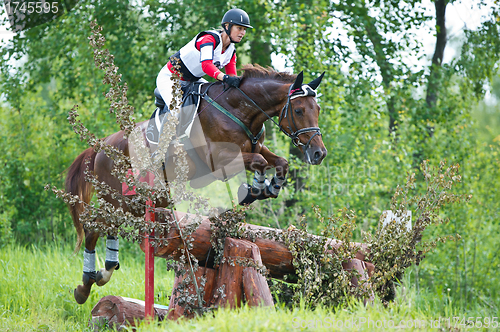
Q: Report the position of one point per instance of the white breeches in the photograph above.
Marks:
(164, 83)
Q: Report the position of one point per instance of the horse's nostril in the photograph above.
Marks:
(317, 155)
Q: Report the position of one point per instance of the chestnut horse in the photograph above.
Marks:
(263, 94)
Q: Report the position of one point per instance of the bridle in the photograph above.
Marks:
(305, 90)
(294, 135)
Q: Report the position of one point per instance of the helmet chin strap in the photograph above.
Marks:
(228, 32)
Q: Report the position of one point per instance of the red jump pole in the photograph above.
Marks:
(150, 264)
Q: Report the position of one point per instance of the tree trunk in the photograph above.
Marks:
(433, 83)
(119, 312)
(176, 310)
(229, 284)
(255, 285)
(230, 278)
(437, 60)
(386, 70)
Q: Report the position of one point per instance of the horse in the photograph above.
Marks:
(263, 94)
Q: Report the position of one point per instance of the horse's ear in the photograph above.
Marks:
(298, 81)
(314, 84)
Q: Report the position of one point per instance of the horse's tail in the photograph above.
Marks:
(76, 185)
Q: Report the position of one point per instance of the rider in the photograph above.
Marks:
(207, 53)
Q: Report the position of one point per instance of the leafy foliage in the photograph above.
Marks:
(393, 248)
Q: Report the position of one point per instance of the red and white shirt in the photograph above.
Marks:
(203, 56)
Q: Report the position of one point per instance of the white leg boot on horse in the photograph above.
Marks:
(112, 263)
(82, 292)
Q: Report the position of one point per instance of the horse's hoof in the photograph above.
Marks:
(104, 275)
(79, 294)
(266, 194)
(100, 280)
(245, 196)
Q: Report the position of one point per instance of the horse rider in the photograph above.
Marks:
(206, 54)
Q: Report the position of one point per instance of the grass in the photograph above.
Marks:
(36, 294)
(36, 287)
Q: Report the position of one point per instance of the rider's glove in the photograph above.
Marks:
(231, 80)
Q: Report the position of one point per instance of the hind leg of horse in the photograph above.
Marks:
(103, 167)
(82, 292)
(112, 263)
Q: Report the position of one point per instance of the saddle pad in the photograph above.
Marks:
(149, 179)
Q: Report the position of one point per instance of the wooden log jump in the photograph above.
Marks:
(275, 255)
(240, 282)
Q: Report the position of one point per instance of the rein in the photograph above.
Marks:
(253, 139)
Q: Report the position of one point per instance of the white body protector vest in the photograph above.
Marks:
(191, 57)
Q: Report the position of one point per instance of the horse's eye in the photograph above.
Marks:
(298, 111)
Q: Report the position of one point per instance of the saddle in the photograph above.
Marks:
(189, 106)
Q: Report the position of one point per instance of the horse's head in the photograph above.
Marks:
(299, 119)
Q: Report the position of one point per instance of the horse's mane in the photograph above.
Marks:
(258, 71)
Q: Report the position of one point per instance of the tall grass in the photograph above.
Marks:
(36, 287)
(36, 294)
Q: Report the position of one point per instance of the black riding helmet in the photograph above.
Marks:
(235, 16)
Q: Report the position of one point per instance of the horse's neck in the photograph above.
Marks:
(270, 96)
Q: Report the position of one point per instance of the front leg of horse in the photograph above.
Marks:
(247, 194)
(261, 188)
(281, 166)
